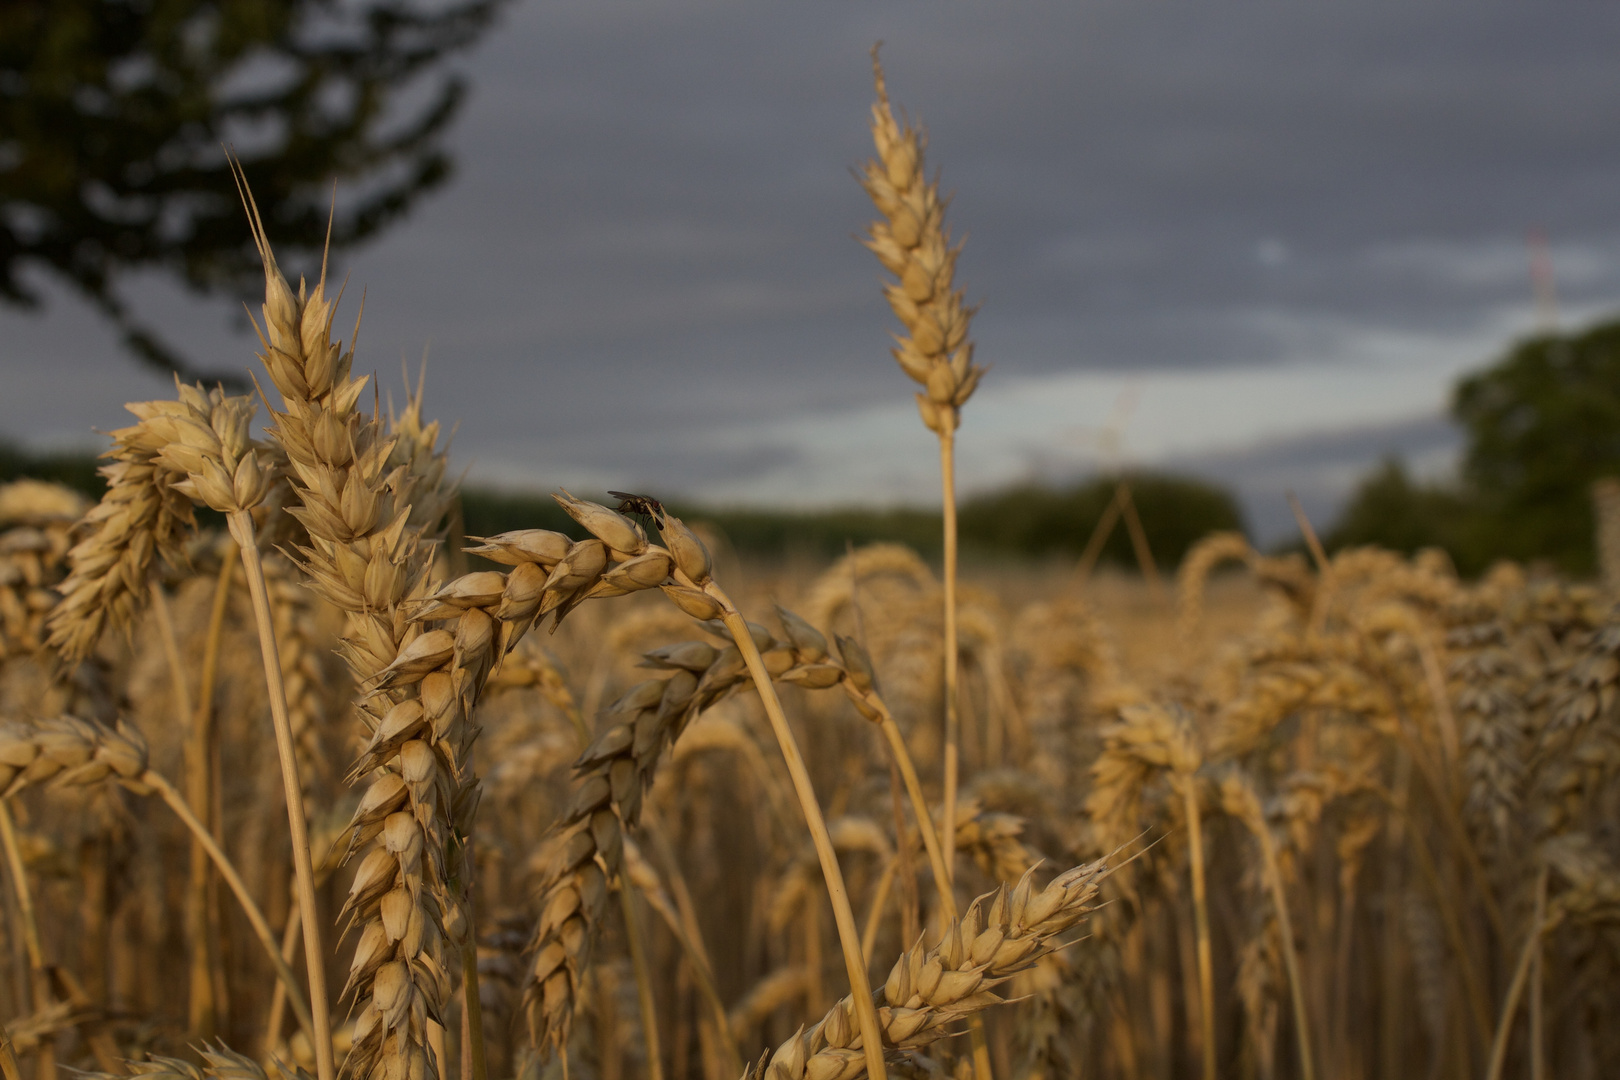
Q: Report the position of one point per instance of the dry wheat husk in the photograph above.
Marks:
(364, 557)
(219, 1062)
(195, 447)
(914, 245)
(67, 751)
(930, 990)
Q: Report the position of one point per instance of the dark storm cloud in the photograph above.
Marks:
(670, 192)
(650, 231)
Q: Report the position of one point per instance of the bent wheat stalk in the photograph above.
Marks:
(255, 917)
(849, 937)
(71, 752)
(862, 690)
(1206, 964)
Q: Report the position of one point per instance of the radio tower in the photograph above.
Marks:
(1542, 283)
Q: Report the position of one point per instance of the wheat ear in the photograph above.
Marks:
(195, 448)
(929, 990)
(205, 439)
(219, 1062)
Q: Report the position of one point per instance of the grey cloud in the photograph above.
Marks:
(651, 224)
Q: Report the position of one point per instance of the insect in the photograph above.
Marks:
(641, 505)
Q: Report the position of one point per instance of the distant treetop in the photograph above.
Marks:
(113, 114)
(1543, 423)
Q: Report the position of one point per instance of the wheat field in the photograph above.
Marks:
(296, 780)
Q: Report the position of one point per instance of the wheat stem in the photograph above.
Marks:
(25, 907)
(1206, 968)
(880, 899)
(1521, 975)
(255, 917)
(241, 525)
(644, 994)
(1285, 929)
(848, 936)
(683, 927)
(8, 1057)
(953, 722)
(1538, 1055)
(278, 994)
(937, 859)
(689, 934)
(201, 1008)
(39, 980)
(202, 734)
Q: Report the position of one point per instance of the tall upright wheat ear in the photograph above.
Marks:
(913, 244)
(421, 667)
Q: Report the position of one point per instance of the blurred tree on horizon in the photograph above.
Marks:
(1542, 424)
(1028, 521)
(1393, 510)
(113, 114)
(1037, 520)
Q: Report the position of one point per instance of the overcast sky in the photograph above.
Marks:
(1280, 230)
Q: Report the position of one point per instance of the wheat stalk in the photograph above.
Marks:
(913, 244)
(1241, 802)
